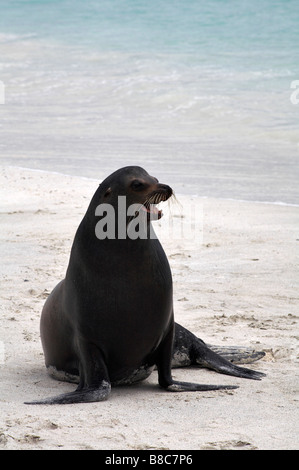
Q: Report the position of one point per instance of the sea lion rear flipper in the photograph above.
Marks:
(164, 372)
(237, 354)
(187, 345)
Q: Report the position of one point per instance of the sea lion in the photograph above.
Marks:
(111, 321)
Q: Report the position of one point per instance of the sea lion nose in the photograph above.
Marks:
(165, 188)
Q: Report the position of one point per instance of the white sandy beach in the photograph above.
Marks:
(238, 287)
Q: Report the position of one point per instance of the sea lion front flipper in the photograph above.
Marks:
(190, 350)
(87, 395)
(176, 386)
(94, 382)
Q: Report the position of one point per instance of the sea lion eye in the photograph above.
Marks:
(137, 185)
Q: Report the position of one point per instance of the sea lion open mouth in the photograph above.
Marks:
(153, 212)
(163, 193)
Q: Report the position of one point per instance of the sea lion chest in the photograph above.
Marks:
(123, 303)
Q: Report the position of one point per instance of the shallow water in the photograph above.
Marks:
(198, 93)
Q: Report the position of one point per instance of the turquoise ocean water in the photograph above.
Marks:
(202, 94)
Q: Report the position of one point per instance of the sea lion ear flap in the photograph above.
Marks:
(108, 191)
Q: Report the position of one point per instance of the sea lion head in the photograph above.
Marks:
(138, 187)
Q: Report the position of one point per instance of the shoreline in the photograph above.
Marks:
(276, 203)
(237, 287)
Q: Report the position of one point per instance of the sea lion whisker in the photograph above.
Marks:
(157, 197)
(174, 206)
